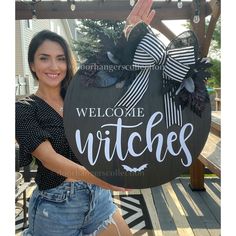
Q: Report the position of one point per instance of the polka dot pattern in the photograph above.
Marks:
(37, 121)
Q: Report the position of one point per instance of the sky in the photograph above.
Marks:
(176, 26)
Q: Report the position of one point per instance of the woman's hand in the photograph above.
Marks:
(59, 164)
(90, 178)
(141, 12)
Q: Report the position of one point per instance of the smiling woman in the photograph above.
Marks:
(51, 59)
(49, 65)
(68, 200)
(40, 132)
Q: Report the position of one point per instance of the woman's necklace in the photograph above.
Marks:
(58, 107)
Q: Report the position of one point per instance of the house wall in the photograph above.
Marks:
(18, 51)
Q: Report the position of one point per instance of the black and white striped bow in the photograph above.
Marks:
(175, 62)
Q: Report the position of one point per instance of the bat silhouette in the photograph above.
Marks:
(130, 169)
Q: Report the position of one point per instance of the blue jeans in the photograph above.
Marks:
(71, 209)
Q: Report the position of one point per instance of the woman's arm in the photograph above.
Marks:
(65, 167)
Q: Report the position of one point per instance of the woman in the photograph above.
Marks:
(68, 199)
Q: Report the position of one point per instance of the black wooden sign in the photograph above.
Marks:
(141, 146)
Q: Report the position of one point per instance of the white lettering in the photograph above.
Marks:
(81, 111)
(109, 112)
(154, 142)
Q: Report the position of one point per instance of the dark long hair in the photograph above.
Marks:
(38, 40)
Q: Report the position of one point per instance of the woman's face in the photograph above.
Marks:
(49, 64)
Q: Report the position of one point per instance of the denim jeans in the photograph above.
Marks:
(71, 209)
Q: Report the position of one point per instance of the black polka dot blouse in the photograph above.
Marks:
(36, 122)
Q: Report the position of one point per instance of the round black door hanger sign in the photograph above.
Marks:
(133, 149)
(144, 117)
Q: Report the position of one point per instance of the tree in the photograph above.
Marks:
(217, 35)
(214, 55)
(93, 35)
(94, 32)
(214, 52)
(215, 70)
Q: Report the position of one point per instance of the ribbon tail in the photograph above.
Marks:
(135, 92)
(173, 111)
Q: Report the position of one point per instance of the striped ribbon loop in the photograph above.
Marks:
(149, 53)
